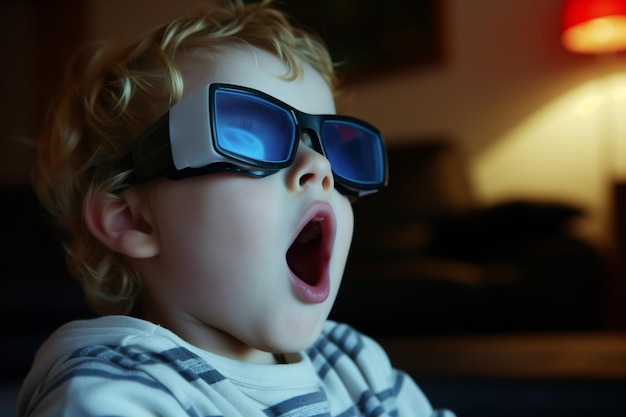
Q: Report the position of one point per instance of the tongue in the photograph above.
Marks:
(302, 256)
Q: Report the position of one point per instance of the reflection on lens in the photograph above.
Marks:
(355, 152)
(252, 128)
(242, 141)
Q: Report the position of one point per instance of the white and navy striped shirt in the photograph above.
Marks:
(122, 366)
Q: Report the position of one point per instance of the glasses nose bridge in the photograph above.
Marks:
(310, 125)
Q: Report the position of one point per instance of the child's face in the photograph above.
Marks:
(224, 277)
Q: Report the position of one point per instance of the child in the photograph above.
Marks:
(209, 214)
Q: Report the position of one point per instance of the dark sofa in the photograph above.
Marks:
(439, 263)
(37, 293)
(432, 273)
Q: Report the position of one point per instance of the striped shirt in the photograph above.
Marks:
(122, 366)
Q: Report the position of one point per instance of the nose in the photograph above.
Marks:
(310, 168)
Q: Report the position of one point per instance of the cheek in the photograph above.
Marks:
(209, 228)
(346, 227)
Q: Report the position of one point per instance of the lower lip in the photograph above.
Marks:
(312, 294)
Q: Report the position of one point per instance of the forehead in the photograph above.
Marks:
(256, 68)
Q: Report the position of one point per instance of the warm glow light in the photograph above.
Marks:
(594, 26)
(620, 94)
(555, 154)
(589, 104)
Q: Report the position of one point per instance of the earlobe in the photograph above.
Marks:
(119, 225)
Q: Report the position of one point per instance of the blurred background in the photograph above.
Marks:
(493, 266)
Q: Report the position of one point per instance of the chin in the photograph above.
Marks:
(296, 335)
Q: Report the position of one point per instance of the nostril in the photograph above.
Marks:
(310, 177)
(328, 182)
(306, 178)
(310, 167)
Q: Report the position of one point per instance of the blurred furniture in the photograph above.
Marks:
(530, 374)
(37, 295)
(617, 287)
(427, 259)
(598, 27)
(494, 311)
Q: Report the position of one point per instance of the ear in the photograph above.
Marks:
(120, 225)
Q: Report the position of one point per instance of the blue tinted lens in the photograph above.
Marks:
(251, 128)
(355, 152)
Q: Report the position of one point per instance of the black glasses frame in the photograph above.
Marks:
(153, 153)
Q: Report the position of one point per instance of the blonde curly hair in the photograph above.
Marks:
(117, 95)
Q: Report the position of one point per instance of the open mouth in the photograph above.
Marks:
(309, 254)
(304, 256)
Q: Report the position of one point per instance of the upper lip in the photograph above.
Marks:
(323, 215)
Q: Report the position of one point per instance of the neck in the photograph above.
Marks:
(214, 340)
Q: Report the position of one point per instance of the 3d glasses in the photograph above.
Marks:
(228, 128)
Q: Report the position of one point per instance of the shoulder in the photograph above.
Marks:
(343, 355)
(130, 360)
(341, 341)
(118, 347)
(352, 364)
(85, 382)
(90, 388)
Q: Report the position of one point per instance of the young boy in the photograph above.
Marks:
(209, 214)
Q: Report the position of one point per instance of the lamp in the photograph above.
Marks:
(599, 27)
(594, 26)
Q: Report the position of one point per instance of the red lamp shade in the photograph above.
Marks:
(594, 26)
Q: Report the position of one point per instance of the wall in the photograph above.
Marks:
(122, 20)
(524, 111)
(520, 107)
(36, 40)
